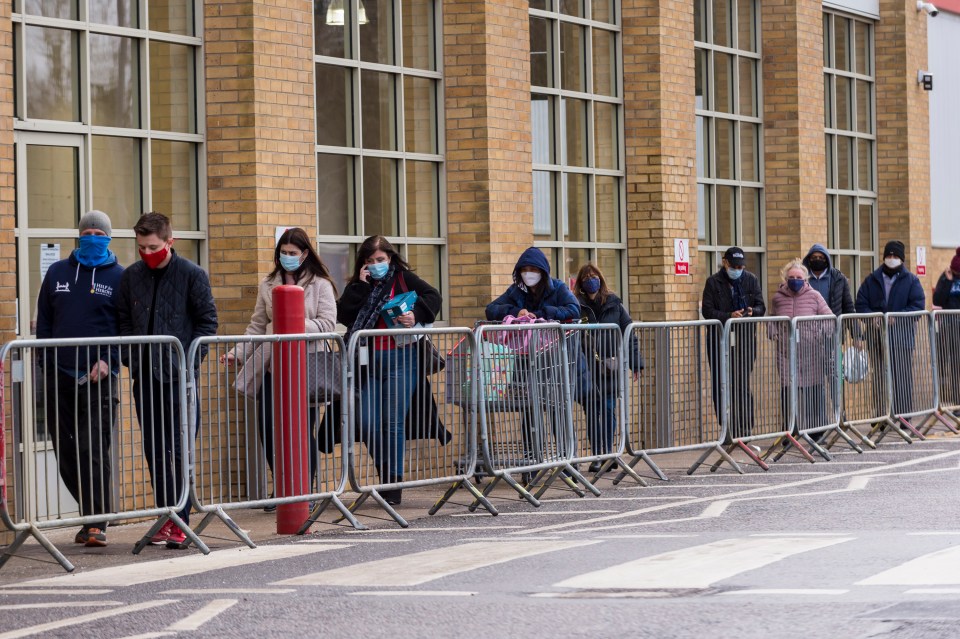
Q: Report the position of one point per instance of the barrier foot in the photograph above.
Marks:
(784, 447)
(656, 469)
(34, 532)
(938, 416)
(576, 475)
(910, 427)
(523, 492)
(800, 449)
(864, 439)
(377, 497)
(482, 499)
(228, 522)
(756, 458)
(840, 433)
(486, 493)
(154, 529)
(551, 475)
(352, 508)
(190, 534)
(816, 447)
(627, 470)
(457, 485)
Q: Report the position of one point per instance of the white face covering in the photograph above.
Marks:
(530, 278)
(893, 262)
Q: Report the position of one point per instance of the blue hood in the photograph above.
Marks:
(818, 248)
(531, 257)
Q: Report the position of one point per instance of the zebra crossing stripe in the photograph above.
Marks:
(941, 568)
(421, 567)
(699, 566)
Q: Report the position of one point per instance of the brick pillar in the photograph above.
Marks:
(488, 154)
(793, 112)
(261, 166)
(8, 246)
(903, 132)
(660, 139)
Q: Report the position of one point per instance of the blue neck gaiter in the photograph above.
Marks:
(93, 250)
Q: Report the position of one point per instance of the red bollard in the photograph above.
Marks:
(291, 469)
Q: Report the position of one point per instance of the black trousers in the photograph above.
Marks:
(80, 421)
(742, 358)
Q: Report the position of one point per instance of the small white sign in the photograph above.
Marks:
(49, 253)
(921, 260)
(278, 232)
(681, 257)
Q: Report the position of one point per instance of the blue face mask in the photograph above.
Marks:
(590, 285)
(290, 262)
(93, 250)
(795, 285)
(734, 273)
(378, 270)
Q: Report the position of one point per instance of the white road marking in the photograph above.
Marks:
(7, 590)
(541, 513)
(941, 568)
(76, 621)
(353, 541)
(229, 591)
(151, 635)
(150, 571)
(698, 566)
(62, 604)
(416, 593)
(932, 591)
(742, 493)
(786, 591)
(645, 498)
(418, 568)
(202, 616)
(652, 536)
(934, 533)
(716, 509)
(448, 529)
(801, 534)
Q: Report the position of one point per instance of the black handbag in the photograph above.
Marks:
(324, 376)
(431, 361)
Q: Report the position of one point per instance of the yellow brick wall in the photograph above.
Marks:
(488, 152)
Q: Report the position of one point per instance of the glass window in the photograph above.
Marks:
(334, 105)
(578, 205)
(118, 13)
(66, 9)
(376, 34)
(53, 174)
(171, 16)
(117, 179)
(418, 34)
(378, 110)
(850, 143)
(173, 171)
(52, 78)
(172, 87)
(114, 81)
(420, 108)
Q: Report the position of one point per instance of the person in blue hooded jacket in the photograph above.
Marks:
(78, 298)
(892, 288)
(535, 293)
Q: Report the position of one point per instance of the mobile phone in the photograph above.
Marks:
(83, 380)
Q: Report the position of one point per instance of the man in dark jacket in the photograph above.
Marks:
(163, 294)
(733, 292)
(894, 289)
(828, 281)
(947, 297)
(78, 299)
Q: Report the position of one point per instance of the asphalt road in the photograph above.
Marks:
(863, 546)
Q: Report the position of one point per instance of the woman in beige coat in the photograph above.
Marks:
(295, 262)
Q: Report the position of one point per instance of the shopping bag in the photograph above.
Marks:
(324, 376)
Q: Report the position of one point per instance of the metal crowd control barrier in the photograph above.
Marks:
(913, 370)
(946, 326)
(600, 374)
(671, 405)
(524, 375)
(88, 450)
(237, 390)
(417, 426)
(759, 400)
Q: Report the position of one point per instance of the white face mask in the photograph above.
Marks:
(530, 278)
(893, 262)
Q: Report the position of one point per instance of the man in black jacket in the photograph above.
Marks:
(163, 294)
(734, 292)
(828, 281)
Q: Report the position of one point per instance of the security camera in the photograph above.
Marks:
(931, 10)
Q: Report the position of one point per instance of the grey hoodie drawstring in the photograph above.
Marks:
(93, 277)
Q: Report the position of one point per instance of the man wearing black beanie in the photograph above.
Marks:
(892, 288)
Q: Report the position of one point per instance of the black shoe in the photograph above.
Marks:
(526, 479)
(595, 467)
(270, 508)
(392, 497)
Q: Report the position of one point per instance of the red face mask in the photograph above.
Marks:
(153, 260)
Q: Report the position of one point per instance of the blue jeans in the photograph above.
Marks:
(384, 401)
(601, 412)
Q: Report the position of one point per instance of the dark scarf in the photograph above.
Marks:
(739, 301)
(370, 311)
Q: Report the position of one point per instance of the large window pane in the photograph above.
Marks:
(866, 226)
(376, 36)
(864, 107)
(609, 264)
(575, 128)
(606, 134)
(172, 86)
(726, 215)
(173, 170)
(703, 147)
(114, 81)
(118, 13)
(608, 208)
(749, 152)
(117, 190)
(573, 259)
(541, 52)
(847, 221)
(844, 163)
(844, 97)
(702, 82)
(864, 165)
(425, 260)
(335, 189)
(541, 116)
(420, 110)
(53, 183)
(418, 34)
(51, 8)
(746, 26)
(722, 23)
(841, 43)
(751, 233)
(171, 16)
(577, 207)
(572, 8)
(331, 28)
(723, 82)
(544, 205)
(700, 12)
(380, 201)
(334, 114)
(704, 217)
(605, 69)
(423, 198)
(603, 10)
(864, 48)
(748, 87)
(378, 100)
(726, 153)
(51, 58)
(572, 57)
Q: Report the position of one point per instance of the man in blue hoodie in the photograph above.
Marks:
(78, 299)
(828, 281)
